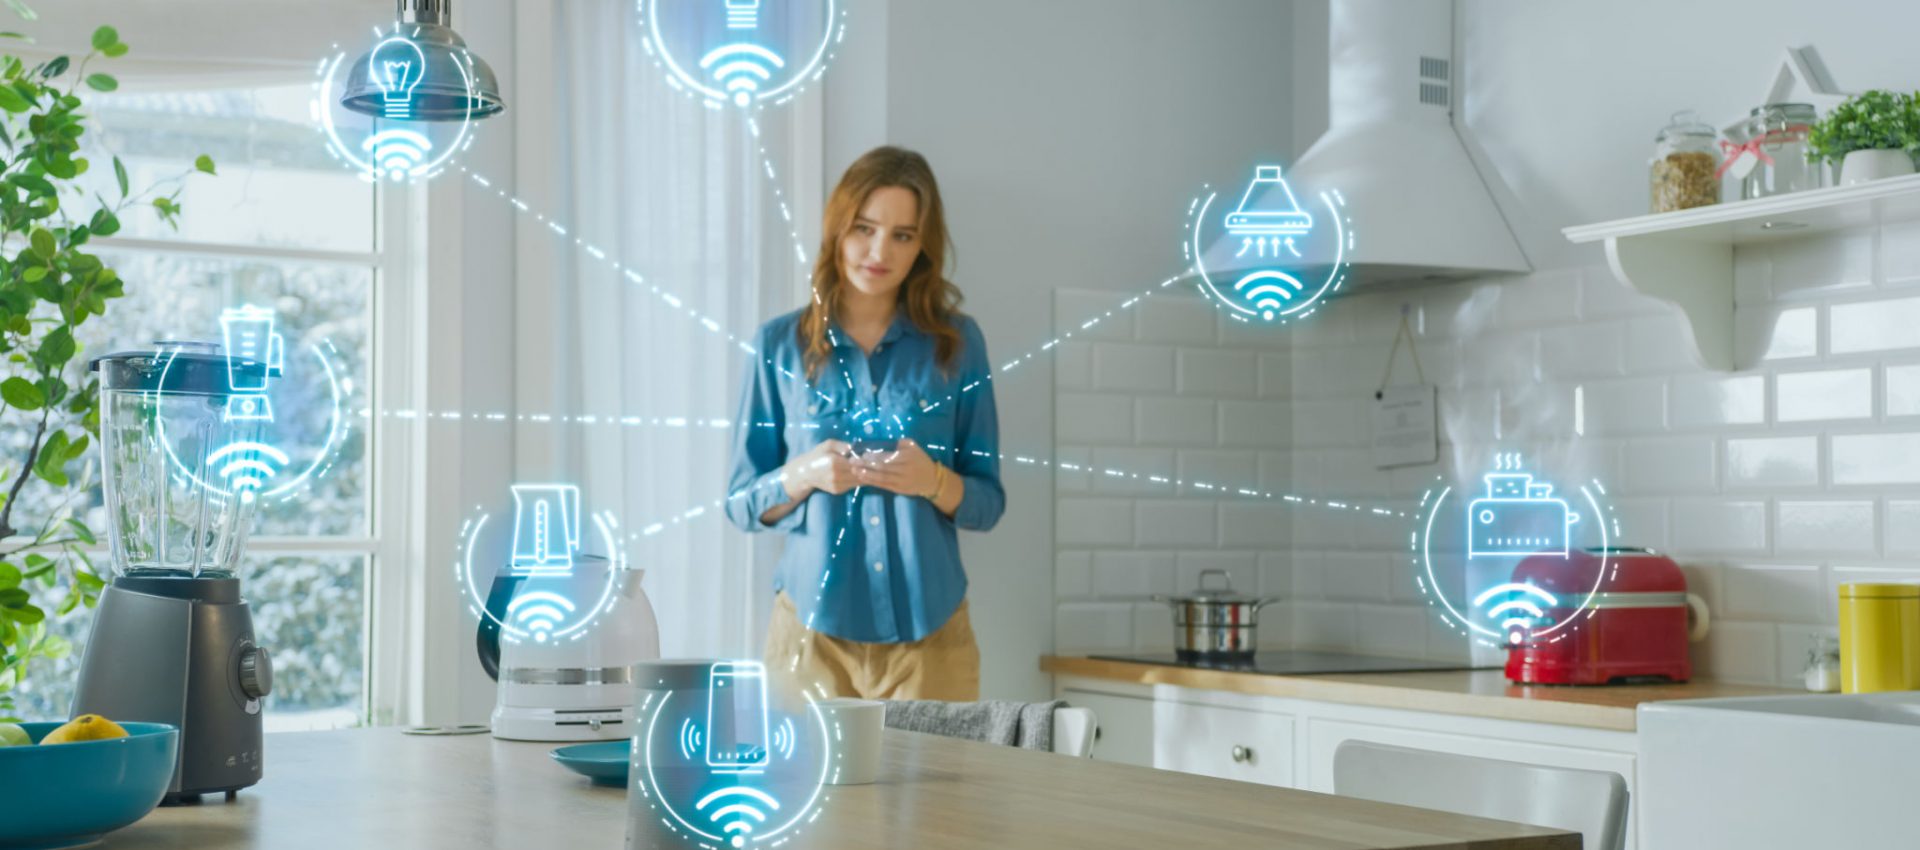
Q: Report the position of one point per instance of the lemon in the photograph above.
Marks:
(86, 727)
(11, 735)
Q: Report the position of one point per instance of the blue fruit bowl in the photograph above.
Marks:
(67, 795)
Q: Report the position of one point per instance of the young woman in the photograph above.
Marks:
(867, 435)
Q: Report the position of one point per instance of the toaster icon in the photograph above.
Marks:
(1518, 517)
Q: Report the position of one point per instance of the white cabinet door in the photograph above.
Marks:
(1124, 733)
(1231, 743)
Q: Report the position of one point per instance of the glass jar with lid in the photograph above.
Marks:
(1769, 151)
(1683, 173)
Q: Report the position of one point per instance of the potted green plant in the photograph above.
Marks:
(1871, 135)
(50, 286)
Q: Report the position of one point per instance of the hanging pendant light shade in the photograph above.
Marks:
(423, 72)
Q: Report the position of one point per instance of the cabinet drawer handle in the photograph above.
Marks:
(1242, 754)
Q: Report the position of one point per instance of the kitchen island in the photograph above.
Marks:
(373, 788)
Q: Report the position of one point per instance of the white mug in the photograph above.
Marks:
(854, 726)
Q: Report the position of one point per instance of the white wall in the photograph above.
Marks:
(1770, 485)
(1068, 136)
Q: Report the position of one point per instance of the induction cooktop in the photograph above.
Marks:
(1300, 663)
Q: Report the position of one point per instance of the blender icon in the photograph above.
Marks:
(251, 343)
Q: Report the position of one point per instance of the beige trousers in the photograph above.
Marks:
(944, 665)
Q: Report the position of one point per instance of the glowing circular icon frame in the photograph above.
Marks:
(323, 458)
(657, 797)
(364, 158)
(1432, 505)
(576, 628)
(1272, 311)
(783, 84)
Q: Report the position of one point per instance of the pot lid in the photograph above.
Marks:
(1222, 592)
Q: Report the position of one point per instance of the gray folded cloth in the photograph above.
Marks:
(1028, 725)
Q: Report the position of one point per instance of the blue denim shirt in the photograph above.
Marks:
(868, 565)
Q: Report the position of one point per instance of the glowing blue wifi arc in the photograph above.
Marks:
(742, 69)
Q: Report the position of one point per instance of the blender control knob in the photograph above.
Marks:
(256, 672)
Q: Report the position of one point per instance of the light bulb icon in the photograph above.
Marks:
(397, 65)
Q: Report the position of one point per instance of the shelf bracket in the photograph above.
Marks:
(1696, 275)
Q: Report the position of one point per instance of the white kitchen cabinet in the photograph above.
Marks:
(1124, 730)
(1230, 743)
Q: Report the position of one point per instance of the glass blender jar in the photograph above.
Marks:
(180, 472)
(172, 640)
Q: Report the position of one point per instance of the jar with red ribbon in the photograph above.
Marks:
(1767, 152)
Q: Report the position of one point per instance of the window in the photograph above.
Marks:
(284, 225)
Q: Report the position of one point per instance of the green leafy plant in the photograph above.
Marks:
(50, 285)
(1869, 121)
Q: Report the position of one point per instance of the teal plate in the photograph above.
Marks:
(605, 762)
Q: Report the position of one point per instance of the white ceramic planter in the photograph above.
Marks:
(1866, 166)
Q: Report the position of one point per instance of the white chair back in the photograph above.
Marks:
(1590, 802)
(1073, 731)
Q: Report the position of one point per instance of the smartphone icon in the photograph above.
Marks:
(737, 717)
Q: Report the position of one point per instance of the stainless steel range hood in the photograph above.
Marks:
(1421, 208)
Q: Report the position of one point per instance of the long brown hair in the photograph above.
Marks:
(930, 300)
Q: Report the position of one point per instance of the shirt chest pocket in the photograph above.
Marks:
(927, 414)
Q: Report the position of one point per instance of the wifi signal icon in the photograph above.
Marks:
(741, 69)
(539, 612)
(247, 466)
(783, 738)
(1269, 297)
(690, 739)
(1517, 611)
(396, 153)
(734, 811)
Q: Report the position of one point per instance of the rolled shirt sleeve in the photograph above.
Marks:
(976, 455)
(755, 484)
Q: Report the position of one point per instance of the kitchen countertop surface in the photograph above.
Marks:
(1474, 693)
(376, 788)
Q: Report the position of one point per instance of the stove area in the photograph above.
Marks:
(1300, 663)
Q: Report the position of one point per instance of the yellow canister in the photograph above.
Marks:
(1879, 637)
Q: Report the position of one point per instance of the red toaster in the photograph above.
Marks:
(1634, 625)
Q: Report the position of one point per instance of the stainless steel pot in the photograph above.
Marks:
(1215, 623)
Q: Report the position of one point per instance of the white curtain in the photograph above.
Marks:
(679, 193)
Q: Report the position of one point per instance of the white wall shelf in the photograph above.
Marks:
(1686, 257)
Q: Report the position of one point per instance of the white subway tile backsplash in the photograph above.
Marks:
(1321, 423)
(1643, 522)
(1358, 576)
(1670, 465)
(1085, 314)
(1705, 401)
(1101, 419)
(1072, 574)
(1702, 525)
(1167, 523)
(1073, 366)
(1133, 574)
(1132, 471)
(1633, 406)
(1903, 390)
(1796, 333)
(1176, 422)
(1825, 263)
(1832, 394)
(1215, 374)
(1793, 594)
(1232, 469)
(1760, 462)
(1581, 351)
(1253, 523)
(1903, 527)
(1075, 479)
(1661, 343)
(1395, 630)
(1133, 368)
(1256, 424)
(1536, 299)
(1276, 574)
(1276, 375)
(1739, 652)
(1826, 528)
(1178, 319)
(1084, 626)
(1093, 522)
(1324, 625)
(1874, 325)
(1152, 627)
(1876, 459)
(1796, 641)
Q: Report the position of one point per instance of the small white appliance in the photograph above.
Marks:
(570, 688)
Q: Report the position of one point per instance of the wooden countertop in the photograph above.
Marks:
(377, 788)
(1474, 693)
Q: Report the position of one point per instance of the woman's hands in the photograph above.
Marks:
(909, 471)
(827, 467)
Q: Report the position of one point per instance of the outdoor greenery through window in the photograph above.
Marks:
(283, 226)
